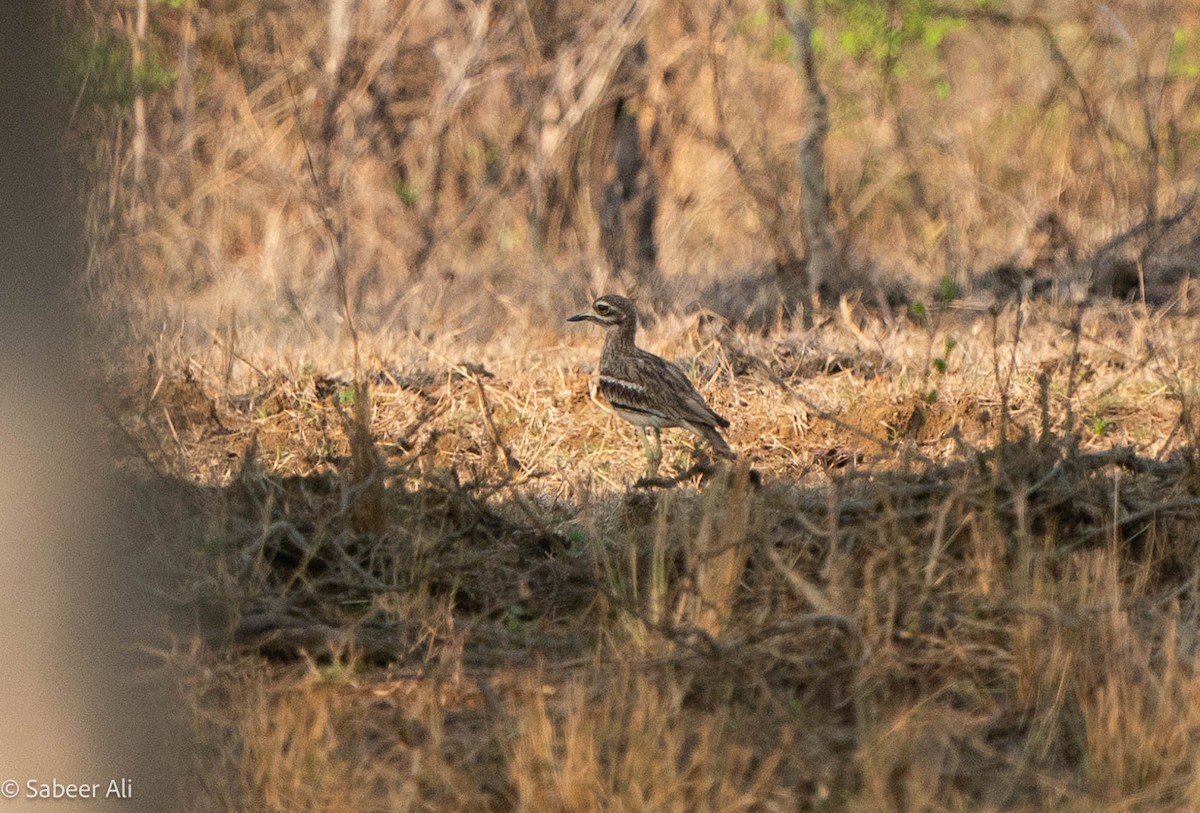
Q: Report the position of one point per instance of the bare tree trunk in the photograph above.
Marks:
(823, 261)
(330, 199)
(137, 52)
(341, 16)
(629, 206)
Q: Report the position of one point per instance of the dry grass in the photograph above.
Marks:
(487, 617)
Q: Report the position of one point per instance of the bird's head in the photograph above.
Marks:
(608, 310)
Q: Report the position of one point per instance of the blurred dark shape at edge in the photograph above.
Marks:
(71, 707)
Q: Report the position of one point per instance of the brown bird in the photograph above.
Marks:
(646, 390)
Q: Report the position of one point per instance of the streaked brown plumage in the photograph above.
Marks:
(644, 389)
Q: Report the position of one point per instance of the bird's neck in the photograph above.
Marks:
(619, 339)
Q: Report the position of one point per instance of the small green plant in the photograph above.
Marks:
(406, 192)
(942, 362)
(947, 291)
(940, 365)
(1101, 426)
(347, 396)
(919, 313)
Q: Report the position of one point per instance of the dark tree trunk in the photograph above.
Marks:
(629, 198)
(823, 262)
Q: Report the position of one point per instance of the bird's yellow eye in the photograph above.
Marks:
(602, 308)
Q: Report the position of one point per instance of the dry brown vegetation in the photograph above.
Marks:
(392, 530)
(485, 616)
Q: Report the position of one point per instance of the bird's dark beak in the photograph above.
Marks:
(580, 317)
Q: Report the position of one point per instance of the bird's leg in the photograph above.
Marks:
(653, 453)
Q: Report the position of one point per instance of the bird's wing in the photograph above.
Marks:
(686, 405)
(626, 394)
